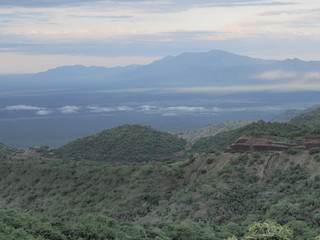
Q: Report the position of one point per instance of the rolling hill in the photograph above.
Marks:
(124, 143)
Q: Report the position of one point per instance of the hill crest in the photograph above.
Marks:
(124, 143)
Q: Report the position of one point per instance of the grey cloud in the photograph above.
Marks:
(176, 110)
(113, 18)
(184, 109)
(124, 108)
(98, 109)
(69, 109)
(227, 3)
(39, 110)
(21, 107)
(43, 3)
(276, 75)
(152, 46)
(43, 112)
(289, 12)
(132, 45)
(20, 17)
(285, 87)
(148, 108)
(279, 75)
(173, 4)
(127, 90)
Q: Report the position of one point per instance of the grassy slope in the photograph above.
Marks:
(126, 142)
(227, 191)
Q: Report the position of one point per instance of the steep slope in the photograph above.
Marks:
(292, 113)
(309, 119)
(211, 130)
(124, 143)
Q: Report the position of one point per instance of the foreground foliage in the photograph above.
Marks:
(17, 226)
(217, 195)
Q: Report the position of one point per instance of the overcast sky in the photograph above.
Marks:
(36, 35)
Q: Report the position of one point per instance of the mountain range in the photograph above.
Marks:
(176, 93)
(214, 68)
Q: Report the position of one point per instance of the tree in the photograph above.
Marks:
(268, 230)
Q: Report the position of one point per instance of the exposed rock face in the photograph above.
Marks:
(264, 143)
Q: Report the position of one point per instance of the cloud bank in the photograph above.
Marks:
(69, 109)
(39, 110)
(172, 3)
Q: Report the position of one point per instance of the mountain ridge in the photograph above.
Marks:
(189, 69)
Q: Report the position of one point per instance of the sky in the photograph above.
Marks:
(36, 35)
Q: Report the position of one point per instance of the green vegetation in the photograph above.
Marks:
(211, 130)
(17, 226)
(212, 195)
(268, 230)
(209, 196)
(282, 131)
(293, 151)
(5, 151)
(123, 143)
(314, 150)
(309, 120)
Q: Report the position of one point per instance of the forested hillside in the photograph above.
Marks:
(122, 193)
(124, 143)
(215, 194)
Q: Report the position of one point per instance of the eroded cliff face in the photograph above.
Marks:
(266, 143)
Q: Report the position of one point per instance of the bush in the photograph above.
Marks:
(314, 151)
(210, 160)
(269, 230)
(293, 151)
(203, 171)
(317, 158)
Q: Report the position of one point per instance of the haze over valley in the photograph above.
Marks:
(183, 92)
